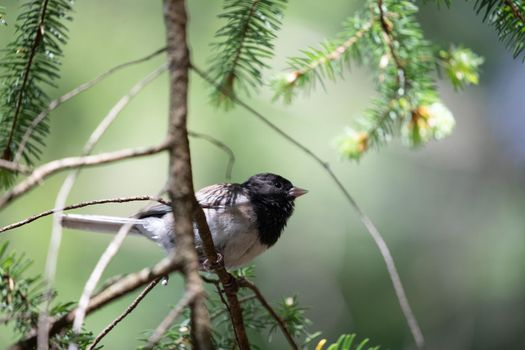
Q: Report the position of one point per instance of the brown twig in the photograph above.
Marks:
(227, 280)
(79, 89)
(126, 312)
(166, 323)
(250, 285)
(81, 205)
(42, 172)
(120, 288)
(180, 180)
(386, 25)
(365, 220)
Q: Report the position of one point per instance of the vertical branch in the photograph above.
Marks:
(180, 175)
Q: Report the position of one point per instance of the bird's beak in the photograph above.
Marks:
(297, 192)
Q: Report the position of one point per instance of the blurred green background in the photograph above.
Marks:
(452, 213)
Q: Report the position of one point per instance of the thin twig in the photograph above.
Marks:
(123, 286)
(386, 25)
(95, 276)
(241, 301)
(365, 220)
(67, 186)
(166, 323)
(81, 205)
(42, 172)
(250, 285)
(221, 145)
(126, 312)
(69, 95)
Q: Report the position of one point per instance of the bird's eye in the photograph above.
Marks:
(277, 184)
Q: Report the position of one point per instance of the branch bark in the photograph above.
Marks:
(123, 286)
(55, 166)
(126, 312)
(180, 182)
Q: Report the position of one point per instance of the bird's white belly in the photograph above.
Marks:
(234, 233)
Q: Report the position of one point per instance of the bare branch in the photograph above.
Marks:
(123, 286)
(163, 327)
(180, 181)
(67, 186)
(14, 167)
(365, 220)
(250, 285)
(55, 166)
(81, 205)
(227, 280)
(126, 312)
(69, 95)
(95, 276)
(221, 145)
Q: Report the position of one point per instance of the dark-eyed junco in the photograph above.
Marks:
(244, 219)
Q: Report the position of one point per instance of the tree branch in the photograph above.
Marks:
(14, 167)
(126, 312)
(55, 166)
(81, 205)
(69, 95)
(67, 186)
(6, 153)
(180, 180)
(188, 297)
(243, 282)
(123, 286)
(515, 11)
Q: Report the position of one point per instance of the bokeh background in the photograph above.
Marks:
(452, 213)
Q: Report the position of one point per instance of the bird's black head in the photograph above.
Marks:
(272, 197)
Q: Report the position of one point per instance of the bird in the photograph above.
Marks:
(245, 219)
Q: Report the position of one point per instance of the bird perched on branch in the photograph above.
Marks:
(244, 219)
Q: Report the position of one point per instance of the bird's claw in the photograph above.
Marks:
(214, 265)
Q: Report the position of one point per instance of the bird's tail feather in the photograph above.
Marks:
(99, 223)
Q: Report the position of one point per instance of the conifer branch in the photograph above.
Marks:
(363, 217)
(180, 178)
(507, 16)
(244, 43)
(31, 61)
(120, 288)
(38, 34)
(318, 63)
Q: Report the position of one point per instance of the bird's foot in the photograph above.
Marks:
(212, 266)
